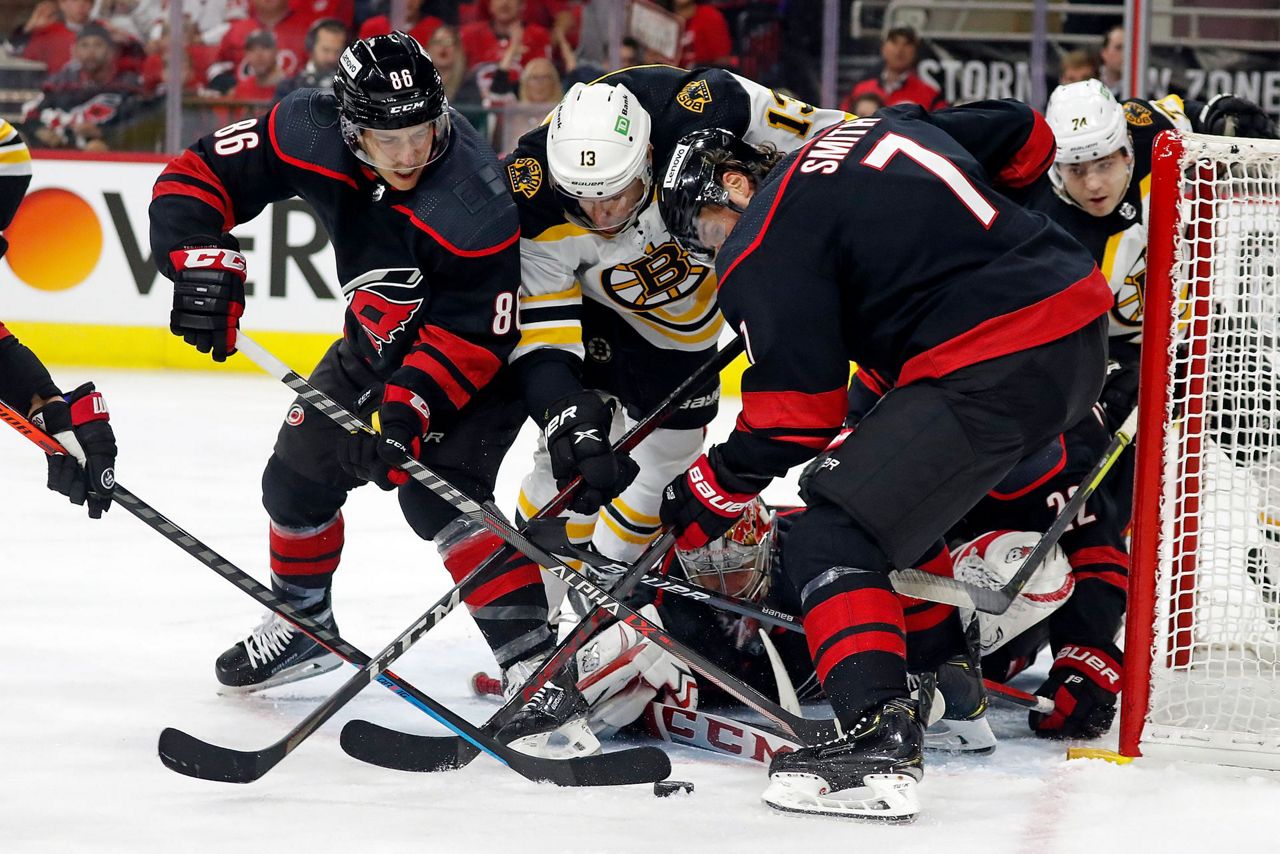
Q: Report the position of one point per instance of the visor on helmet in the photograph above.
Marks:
(399, 149)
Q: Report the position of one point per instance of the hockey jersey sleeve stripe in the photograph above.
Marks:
(549, 336)
(1034, 158)
(472, 362)
(175, 188)
(457, 250)
(794, 410)
(572, 296)
(300, 163)
(1039, 323)
(1094, 555)
(1116, 579)
(424, 362)
(555, 313)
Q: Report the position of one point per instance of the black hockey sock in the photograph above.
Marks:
(854, 625)
(511, 608)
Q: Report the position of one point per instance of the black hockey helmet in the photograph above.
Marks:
(389, 83)
(692, 180)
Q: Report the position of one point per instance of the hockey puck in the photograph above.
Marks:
(667, 788)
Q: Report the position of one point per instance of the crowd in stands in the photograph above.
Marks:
(107, 60)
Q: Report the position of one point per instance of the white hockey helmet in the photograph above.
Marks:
(1088, 123)
(598, 146)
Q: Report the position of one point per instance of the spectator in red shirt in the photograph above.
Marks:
(49, 34)
(197, 57)
(419, 26)
(897, 82)
(505, 39)
(706, 39)
(289, 29)
(264, 69)
(315, 10)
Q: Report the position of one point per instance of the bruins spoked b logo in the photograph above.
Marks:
(660, 277)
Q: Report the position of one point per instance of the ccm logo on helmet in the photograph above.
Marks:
(713, 498)
(404, 108)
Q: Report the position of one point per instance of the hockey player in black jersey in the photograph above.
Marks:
(425, 237)
(884, 241)
(612, 310)
(79, 420)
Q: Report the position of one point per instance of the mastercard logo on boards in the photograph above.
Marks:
(55, 240)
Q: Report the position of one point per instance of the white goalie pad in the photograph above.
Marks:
(990, 561)
(620, 672)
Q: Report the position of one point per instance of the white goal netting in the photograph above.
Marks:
(1215, 669)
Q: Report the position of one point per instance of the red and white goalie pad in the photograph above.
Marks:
(620, 672)
(990, 561)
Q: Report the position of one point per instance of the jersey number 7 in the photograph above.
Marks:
(891, 144)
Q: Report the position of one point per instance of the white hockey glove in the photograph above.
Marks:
(990, 561)
(620, 672)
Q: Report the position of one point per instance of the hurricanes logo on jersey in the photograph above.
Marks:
(525, 175)
(384, 302)
(695, 96)
(1137, 115)
(662, 276)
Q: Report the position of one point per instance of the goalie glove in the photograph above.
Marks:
(990, 561)
(620, 672)
(208, 294)
(86, 473)
(1083, 683)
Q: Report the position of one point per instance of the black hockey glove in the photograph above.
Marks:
(1228, 115)
(403, 419)
(1119, 394)
(1083, 683)
(704, 502)
(208, 294)
(87, 471)
(577, 434)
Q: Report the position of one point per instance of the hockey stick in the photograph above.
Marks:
(953, 591)
(189, 755)
(246, 766)
(811, 731)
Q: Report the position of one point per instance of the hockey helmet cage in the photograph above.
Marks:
(389, 83)
(691, 181)
(597, 147)
(1088, 123)
(737, 563)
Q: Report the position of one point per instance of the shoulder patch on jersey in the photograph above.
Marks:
(695, 96)
(1137, 114)
(525, 176)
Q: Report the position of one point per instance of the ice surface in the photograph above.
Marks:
(108, 634)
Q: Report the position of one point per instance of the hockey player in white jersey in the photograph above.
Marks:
(613, 313)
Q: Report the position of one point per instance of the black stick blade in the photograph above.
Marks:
(620, 768)
(188, 755)
(404, 751)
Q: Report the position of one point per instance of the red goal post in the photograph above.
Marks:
(1202, 640)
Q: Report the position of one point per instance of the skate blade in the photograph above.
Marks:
(296, 673)
(960, 737)
(571, 740)
(883, 797)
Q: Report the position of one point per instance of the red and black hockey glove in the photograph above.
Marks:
(208, 295)
(704, 502)
(87, 472)
(577, 434)
(403, 420)
(1083, 683)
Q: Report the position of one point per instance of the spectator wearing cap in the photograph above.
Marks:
(49, 33)
(88, 96)
(288, 27)
(264, 69)
(1078, 65)
(897, 82)
(326, 40)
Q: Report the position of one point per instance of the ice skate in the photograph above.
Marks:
(274, 653)
(553, 724)
(868, 773)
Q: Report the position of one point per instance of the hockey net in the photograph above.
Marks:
(1202, 643)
